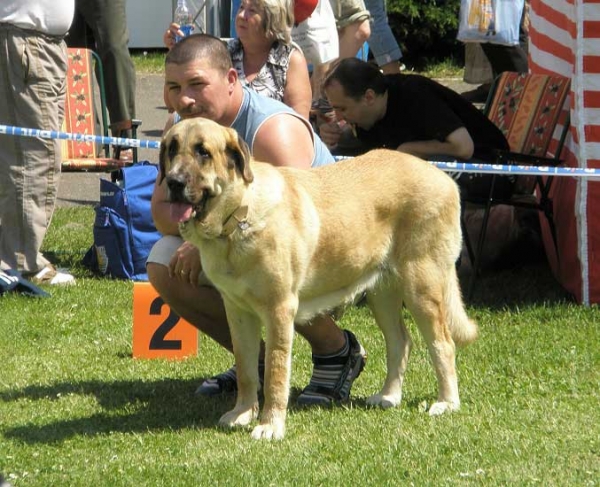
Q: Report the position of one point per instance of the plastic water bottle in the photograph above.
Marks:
(183, 17)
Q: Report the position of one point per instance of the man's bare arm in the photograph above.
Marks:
(458, 144)
(284, 140)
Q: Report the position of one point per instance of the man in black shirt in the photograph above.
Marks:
(410, 113)
(419, 116)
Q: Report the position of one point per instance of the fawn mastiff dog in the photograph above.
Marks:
(283, 245)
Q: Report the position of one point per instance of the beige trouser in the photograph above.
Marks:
(347, 12)
(32, 91)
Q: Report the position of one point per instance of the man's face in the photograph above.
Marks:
(197, 90)
(349, 109)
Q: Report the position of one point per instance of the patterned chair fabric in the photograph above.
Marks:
(532, 112)
(527, 109)
(84, 97)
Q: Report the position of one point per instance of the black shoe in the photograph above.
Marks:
(317, 394)
(226, 382)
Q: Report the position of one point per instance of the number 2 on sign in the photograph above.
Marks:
(159, 340)
(158, 332)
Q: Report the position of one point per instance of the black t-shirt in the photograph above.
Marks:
(419, 108)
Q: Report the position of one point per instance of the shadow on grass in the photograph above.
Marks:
(138, 407)
(127, 406)
(516, 287)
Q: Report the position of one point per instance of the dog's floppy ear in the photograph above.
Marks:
(239, 153)
(161, 159)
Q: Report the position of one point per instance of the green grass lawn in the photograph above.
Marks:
(77, 410)
(153, 62)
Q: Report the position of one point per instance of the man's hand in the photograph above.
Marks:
(185, 264)
(171, 34)
(330, 133)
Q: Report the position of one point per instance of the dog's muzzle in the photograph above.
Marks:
(182, 208)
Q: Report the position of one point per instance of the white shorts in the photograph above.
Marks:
(164, 249)
(317, 36)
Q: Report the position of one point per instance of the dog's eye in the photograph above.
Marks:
(201, 151)
(173, 148)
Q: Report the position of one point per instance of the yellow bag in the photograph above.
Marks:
(493, 21)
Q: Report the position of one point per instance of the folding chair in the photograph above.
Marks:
(85, 94)
(532, 112)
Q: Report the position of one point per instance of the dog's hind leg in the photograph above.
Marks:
(425, 299)
(386, 304)
(245, 334)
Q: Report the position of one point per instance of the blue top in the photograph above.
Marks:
(257, 109)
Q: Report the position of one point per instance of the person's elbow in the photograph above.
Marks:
(462, 145)
(465, 150)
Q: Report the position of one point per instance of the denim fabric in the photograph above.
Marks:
(32, 91)
(382, 42)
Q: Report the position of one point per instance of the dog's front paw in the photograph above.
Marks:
(269, 431)
(438, 408)
(385, 401)
(239, 417)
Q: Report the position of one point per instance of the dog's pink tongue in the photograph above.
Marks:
(181, 212)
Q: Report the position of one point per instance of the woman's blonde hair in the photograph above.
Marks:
(278, 19)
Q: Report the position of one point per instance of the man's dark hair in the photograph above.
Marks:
(356, 77)
(200, 46)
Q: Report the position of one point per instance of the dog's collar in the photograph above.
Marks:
(236, 220)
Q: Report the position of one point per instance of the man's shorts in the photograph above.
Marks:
(317, 36)
(163, 251)
(349, 11)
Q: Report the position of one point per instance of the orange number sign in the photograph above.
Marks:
(158, 332)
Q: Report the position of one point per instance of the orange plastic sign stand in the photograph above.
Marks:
(158, 332)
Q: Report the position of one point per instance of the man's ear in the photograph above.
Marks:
(239, 155)
(370, 96)
(232, 78)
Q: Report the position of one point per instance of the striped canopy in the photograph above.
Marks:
(565, 39)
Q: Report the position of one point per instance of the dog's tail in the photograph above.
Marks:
(462, 328)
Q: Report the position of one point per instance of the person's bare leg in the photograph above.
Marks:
(352, 37)
(323, 335)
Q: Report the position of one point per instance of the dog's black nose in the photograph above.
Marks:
(176, 185)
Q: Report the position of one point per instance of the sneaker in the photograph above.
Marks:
(226, 382)
(52, 276)
(323, 389)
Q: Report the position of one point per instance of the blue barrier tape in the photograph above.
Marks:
(444, 166)
(517, 170)
(455, 166)
(76, 137)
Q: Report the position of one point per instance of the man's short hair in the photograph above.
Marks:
(355, 77)
(201, 46)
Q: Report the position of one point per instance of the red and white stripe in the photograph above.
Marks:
(565, 39)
